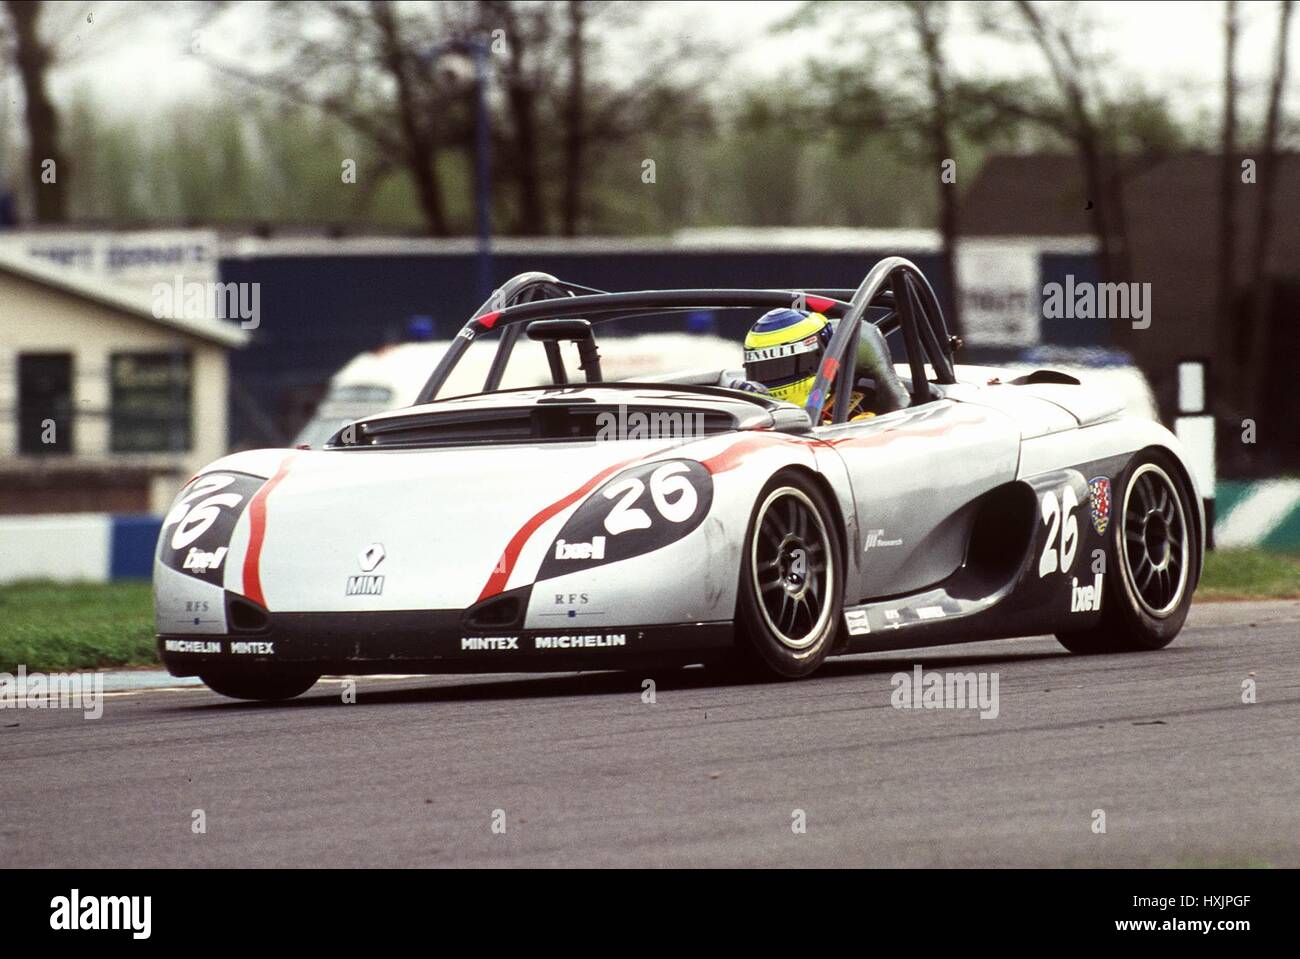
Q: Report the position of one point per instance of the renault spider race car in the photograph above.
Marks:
(585, 524)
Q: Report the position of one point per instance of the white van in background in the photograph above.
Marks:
(391, 377)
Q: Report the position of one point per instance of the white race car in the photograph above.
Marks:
(667, 521)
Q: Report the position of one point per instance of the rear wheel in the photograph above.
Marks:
(263, 686)
(791, 580)
(1154, 543)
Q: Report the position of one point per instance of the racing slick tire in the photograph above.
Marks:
(268, 687)
(791, 581)
(1155, 559)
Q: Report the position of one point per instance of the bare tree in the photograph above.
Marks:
(575, 139)
(1228, 182)
(1261, 260)
(928, 20)
(34, 59)
(369, 66)
(1083, 128)
(418, 138)
(37, 37)
(379, 67)
(525, 73)
(919, 119)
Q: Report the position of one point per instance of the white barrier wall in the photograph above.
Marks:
(64, 547)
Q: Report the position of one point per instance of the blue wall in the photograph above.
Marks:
(1054, 268)
(320, 311)
(132, 546)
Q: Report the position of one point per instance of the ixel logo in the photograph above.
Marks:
(198, 559)
(1085, 599)
(593, 550)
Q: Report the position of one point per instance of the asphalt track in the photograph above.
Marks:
(586, 773)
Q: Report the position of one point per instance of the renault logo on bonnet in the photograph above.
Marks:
(371, 557)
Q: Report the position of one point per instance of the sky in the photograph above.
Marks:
(1165, 44)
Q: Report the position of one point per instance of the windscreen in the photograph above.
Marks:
(641, 349)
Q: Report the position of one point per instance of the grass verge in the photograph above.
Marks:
(60, 626)
(1249, 574)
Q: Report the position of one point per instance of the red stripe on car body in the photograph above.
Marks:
(257, 534)
(505, 566)
(738, 452)
(915, 432)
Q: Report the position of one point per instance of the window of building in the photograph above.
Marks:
(45, 403)
(151, 402)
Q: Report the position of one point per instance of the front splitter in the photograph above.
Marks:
(436, 642)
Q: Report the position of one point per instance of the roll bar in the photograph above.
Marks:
(894, 284)
(915, 308)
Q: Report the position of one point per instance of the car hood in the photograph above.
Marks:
(439, 526)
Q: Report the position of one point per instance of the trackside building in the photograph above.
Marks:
(108, 409)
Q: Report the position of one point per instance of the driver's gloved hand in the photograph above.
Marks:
(749, 386)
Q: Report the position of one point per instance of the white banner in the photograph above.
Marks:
(136, 259)
(1000, 292)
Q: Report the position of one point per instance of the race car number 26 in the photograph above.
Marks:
(671, 493)
(1058, 516)
(192, 518)
(640, 510)
(196, 532)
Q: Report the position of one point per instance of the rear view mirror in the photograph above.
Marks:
(551, 332)
(554, 330)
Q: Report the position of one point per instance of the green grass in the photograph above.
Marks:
(1249, 574)
(60, 626)
(57, 626)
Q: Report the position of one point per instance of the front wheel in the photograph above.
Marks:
(1155, 546)
(791, 580)
(268, 687)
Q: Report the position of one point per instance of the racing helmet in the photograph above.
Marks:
(783, 351)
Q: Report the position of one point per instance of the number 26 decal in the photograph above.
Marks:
(642, 509)
(1058, 515)
(664, 481)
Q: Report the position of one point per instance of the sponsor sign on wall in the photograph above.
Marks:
(999, 293)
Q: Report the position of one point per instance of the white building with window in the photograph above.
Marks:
(106, 407)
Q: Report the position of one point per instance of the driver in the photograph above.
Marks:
(784, 350)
